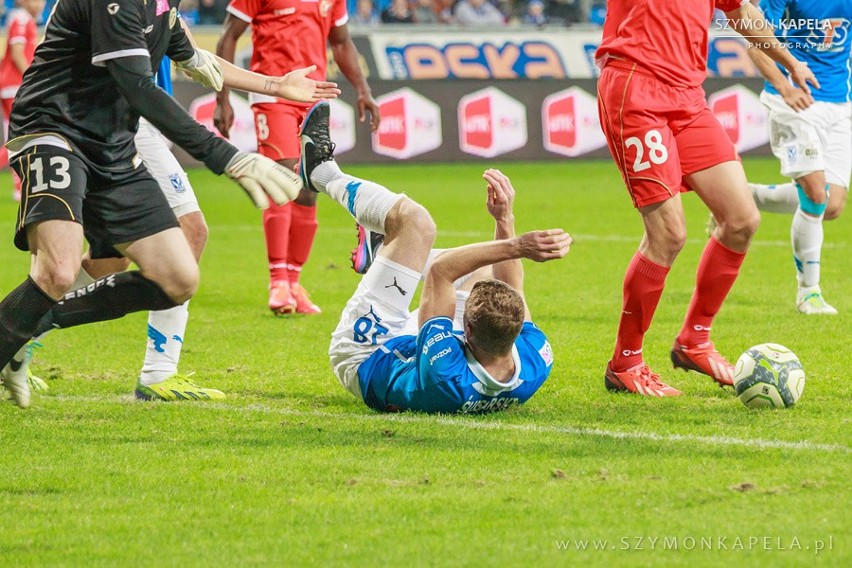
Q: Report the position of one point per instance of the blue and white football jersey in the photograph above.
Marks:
(435, 372)
(816, 32)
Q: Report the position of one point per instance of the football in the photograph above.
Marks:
(769, 376)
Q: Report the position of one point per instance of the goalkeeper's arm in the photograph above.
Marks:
(257, 175)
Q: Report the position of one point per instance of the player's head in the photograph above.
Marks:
(493, 317)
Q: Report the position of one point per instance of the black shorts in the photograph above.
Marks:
(114, 206)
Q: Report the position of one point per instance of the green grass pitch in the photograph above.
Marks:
(292, 470)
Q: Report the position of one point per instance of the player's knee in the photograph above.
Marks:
(416, 220)
(181, 284)
(836, 203)
(57, 278)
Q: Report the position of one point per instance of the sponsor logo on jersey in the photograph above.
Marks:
(113, 8)
(829, 35)
(162, 7)
(491, 123)
(436, 338)
(570, 123)
(546, 353)
(410, 126)
(177, 183)
(440, 354)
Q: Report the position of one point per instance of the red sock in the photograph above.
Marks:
(717, 271)
(643, 286)
(276, 227)
(303, 228)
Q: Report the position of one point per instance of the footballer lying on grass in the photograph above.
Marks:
(397, 360)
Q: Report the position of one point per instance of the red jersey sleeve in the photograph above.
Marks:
(17, 31)
(729, 5)
(245, 10)
(339, 15)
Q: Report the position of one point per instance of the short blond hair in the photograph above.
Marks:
(494, 314)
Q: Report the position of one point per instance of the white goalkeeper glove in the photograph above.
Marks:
(203, 68)
(261, 177)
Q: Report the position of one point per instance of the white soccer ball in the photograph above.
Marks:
(769, 376)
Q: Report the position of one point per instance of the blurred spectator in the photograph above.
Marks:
(424, 12)
(534, 16)
(478, 13)
(398, 13)
(444, 9)
(364, 14)
(564, 12)
(212, 12)
(597, 13)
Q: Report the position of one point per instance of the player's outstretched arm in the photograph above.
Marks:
(260, 177)
(294, 86)
(346, 57)
(438, 298)
(798, 99)
(751, 24)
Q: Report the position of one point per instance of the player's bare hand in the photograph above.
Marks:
(542, 246)
(797, 99)
(802, 76)
(501, 194)
(223, 116)
(368, 105)
(297, 86)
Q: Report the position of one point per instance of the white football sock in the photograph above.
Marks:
(166, 329)
(807, 235)
(781, 198)
(368, 202)
(83, 280)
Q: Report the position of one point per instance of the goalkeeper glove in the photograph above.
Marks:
(203, 68)
(261, 177)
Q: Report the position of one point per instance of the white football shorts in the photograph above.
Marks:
(377, 312)
(818, 138)
(154, 150)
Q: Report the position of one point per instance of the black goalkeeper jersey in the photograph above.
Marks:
(68, 90)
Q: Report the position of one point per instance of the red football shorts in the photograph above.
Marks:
(277, 128)
(657, 134)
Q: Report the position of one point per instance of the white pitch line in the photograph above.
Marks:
(578, 237)
(468, 424)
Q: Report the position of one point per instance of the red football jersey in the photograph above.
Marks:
(20, 29)
(666, 37)
(289, 34)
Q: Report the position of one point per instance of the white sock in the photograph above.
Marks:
(781, 198)
(368, 202)
(807, 234)
(83, 280)
(166, 329)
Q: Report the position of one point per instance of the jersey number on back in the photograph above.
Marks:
(657, 152)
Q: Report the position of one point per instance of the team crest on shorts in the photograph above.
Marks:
(325, 7)
(177, 183)
(792, 153)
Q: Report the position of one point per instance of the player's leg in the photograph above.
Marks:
(643, 148)
(166, 330)
(717, 176)
(807, 235)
